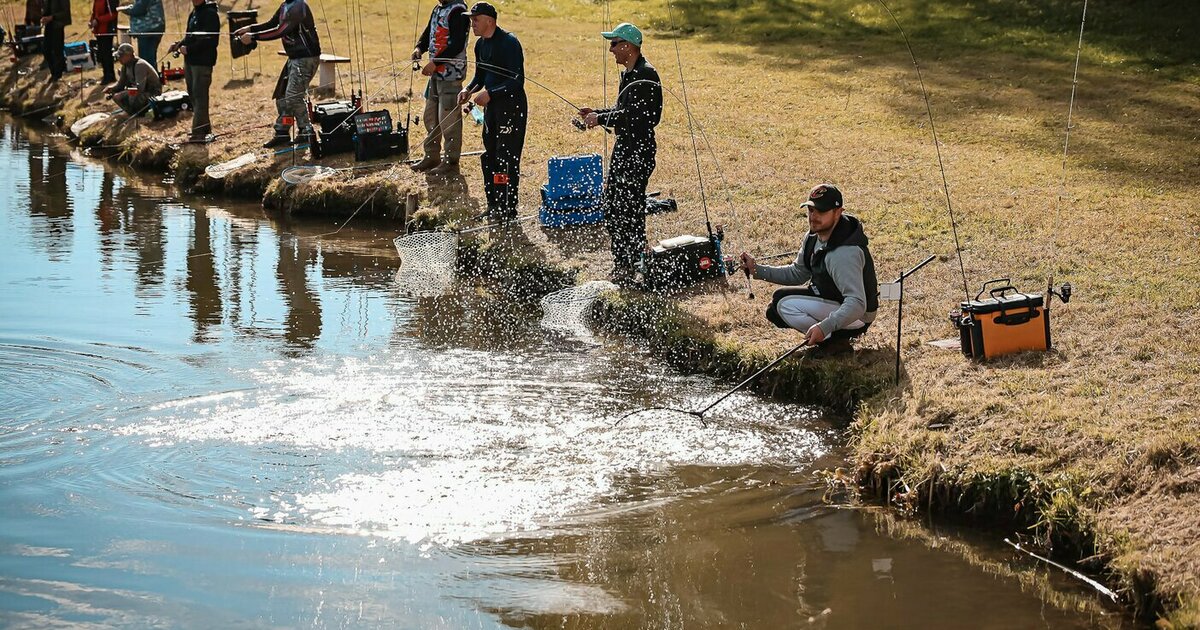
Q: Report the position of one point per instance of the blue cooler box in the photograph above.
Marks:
(573, 191)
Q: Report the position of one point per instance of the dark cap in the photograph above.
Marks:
(482, 8)
(823, 197)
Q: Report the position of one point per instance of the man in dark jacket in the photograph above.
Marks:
(294, 24)
(445, 39)
(638, 111)
(199, 49)
(843, 293)
(499, 87)
(56, 17)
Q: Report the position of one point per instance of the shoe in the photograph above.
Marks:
(831, 348)
(277, 140)
(426, 163)
(445, 168)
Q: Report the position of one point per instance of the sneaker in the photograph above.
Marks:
(277, 141)
(831, 348)
(426, 163)
(445, 168)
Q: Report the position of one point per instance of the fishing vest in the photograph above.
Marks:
(847, 233)
(439, 38)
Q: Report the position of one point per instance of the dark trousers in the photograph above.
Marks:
(104, 52)
(629, 170)
(504, 122)
(148, 48)
(52, 43)
(199, 79)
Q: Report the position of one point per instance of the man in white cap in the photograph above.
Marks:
(637, 112)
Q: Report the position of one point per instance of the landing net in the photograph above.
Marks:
(306, 173)
(79, 126)
(568, 310)
(428, 251)
(219, 171)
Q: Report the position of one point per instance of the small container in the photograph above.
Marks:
(477, 115)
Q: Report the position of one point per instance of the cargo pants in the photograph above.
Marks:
(504, 122)
(443, 119)
(289, 94)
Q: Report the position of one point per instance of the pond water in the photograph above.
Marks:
(213, 418)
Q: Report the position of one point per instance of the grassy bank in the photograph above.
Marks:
(1093, 449)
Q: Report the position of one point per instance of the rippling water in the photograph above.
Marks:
(212, 418)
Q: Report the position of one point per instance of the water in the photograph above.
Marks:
(214, 419)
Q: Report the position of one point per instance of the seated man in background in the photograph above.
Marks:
(842, 297)
(138, 81)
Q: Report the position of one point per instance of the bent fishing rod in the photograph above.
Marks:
(699, 414)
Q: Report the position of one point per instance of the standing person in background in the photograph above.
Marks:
(104, 27)
(199, 49)
(294, 24)
(445, 38)
(499, 87)
(56, 16)
(637, 113)
(146, 23)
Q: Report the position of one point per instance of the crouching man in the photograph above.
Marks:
(137, 82)
(842, 295)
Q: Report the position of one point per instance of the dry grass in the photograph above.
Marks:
(1106, 426)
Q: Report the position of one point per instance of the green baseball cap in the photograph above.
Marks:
(627, 32)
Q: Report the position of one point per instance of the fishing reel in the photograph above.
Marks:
(1063, 293)
(579, 124)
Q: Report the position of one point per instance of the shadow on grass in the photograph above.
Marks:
(988, 56)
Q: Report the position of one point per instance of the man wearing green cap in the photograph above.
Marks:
(637, 112)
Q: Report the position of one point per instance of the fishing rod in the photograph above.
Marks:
(1065, 293)
(691, 131)
(413, 74)
(699, 414)
(936, 145)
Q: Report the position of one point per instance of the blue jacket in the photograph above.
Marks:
(146, 16)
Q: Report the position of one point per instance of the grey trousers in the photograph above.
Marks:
(443, 118)
(297, 74)
(133, 105)
(199, 79)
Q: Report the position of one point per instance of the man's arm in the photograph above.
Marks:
(788, 275)
(476, 80)
(280, 24)
(845, 265)
(423, 40)
(644, 98)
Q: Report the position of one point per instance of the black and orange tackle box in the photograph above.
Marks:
(1005, 322)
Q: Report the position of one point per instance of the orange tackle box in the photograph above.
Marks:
(1005, 322)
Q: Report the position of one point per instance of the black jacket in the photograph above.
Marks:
(639, 102)
(294, 24)
(847, 233)
(202, 49)
(499, 65)
(60, 10)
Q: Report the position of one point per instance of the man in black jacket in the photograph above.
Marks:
(56, 17)
(499, 86)
(199, 49)
(294, 24)
(638, 111)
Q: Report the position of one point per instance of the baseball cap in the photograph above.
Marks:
(627, 32)
(482, 8)
(823, 197)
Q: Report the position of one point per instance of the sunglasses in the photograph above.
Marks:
(811, 209)
(616, 42)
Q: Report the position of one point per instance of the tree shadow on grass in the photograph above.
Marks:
(1003, 56)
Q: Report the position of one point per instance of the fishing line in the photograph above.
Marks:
(1053, 241)
(936, 145)
(413, 74)
(699, 414)
(387, 16)
(605, 25)
(328, 36)
(687, 108)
